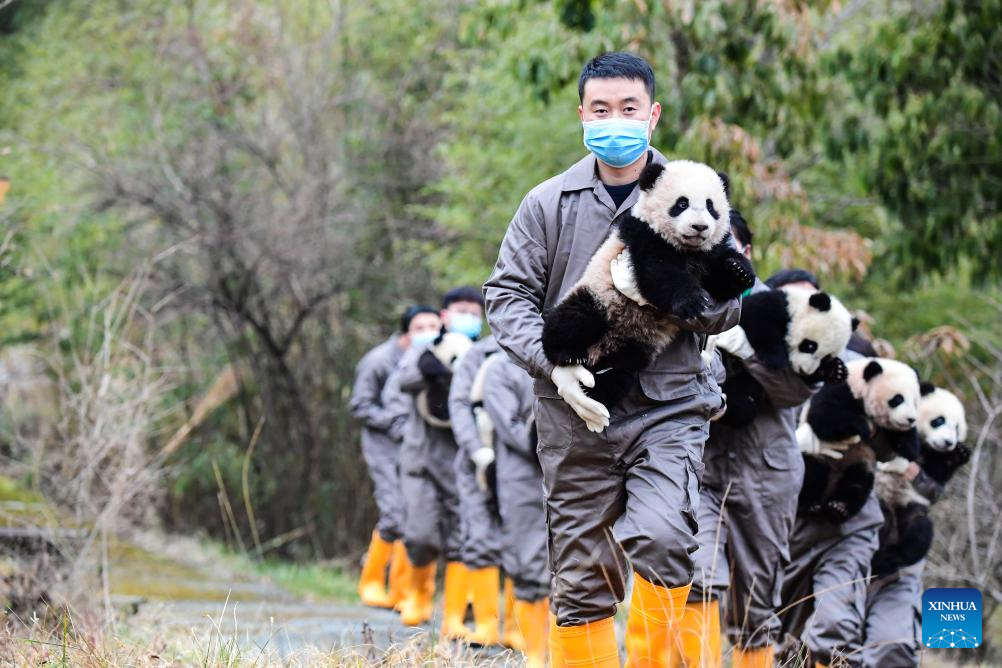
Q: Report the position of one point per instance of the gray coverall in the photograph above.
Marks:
(748, 504)
(893, 624)
(379, 448)
(427, 477)
(520, 480)
(825, 582)
(636, 483)
(480, 528)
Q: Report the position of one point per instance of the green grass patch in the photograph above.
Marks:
(315, 580)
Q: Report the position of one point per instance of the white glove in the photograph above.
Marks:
(810, 444)
(482, 458)
(735, 342)
(485, 426)
(569, 380)
(898, 465)
(623, 279)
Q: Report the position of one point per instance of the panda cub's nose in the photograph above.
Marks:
(700, 228)
(911, 420)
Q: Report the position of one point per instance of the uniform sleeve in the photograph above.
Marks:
(409, 376)
(784, 387)
(460, 407)
(366, 403)
(516, 290)
(397, 406)
(503, 402)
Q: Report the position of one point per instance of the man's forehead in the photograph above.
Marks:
(615, 89)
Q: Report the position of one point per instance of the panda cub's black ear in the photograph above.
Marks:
(820, 301)
(855, 323)
(649, 177)
(727, 184)
(872, 370)
(926, 388)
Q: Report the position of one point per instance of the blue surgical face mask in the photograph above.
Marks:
(617, 142)
(465, 323)
(423, 338)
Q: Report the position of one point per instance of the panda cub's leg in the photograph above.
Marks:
(915, 538)
(817, 470)
(853, 485)
(616, 371)
(572, 327)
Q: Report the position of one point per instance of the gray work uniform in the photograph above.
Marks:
(824, 589)
(509, 402)
(636, 483)
(748, 504)
(480, 526)
(893, 625)
(379, 448)
(427, 476)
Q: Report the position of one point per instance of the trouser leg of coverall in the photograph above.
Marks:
(824, 590)
(479, 521)
(894, 620)
(381, 458)
(635, 485)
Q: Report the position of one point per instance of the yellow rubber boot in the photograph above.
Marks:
(400, 568)
(454, 601)
(697, 636)
(758, 657)
(510, 636)
(532, 622)
(419, 603)
(591, 645)
(556, 657)
(485, 584)
(654, 613)
(371, 584)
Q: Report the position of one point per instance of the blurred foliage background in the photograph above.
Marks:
(289, 175)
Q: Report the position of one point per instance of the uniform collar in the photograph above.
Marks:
(584, 174)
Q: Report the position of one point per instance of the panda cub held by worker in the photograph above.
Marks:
(788, 328)
(678, 239)
(907, 532)
(869, 417)
(436, 365)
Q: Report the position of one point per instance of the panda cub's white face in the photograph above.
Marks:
(450, 348)
(687, 206)
(820, 326)
(942, 423)
(889, 390)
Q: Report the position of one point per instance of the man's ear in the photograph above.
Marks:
(649, 177)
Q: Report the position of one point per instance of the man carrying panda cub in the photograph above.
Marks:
(621, 477)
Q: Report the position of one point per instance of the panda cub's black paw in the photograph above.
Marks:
(691, 305)
(836, 511)
(743, 276)
(569, 359)
(833, 370)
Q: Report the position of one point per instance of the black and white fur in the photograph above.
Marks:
(678, 239)
(432, 403)
(874, 412)
(789, 328)
(907, 533)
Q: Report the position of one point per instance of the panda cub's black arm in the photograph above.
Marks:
(903, 443)
(940, 466)
(660, 272)
(729, 272)
(764, 319)
(835, 415)
(915, 532)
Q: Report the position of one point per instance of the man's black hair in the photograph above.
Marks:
(614, 65)
(466, 293)
(739, 227)
(413, 310)
(787, 276)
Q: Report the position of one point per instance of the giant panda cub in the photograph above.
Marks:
(677, 236)
(436, 365)
(874, 412)
(907, 533)
(789, 328)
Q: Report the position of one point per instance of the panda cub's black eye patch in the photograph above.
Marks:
(938, 422)
(713, 211)
(896, 401)
(680, 205)
(807, 346)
